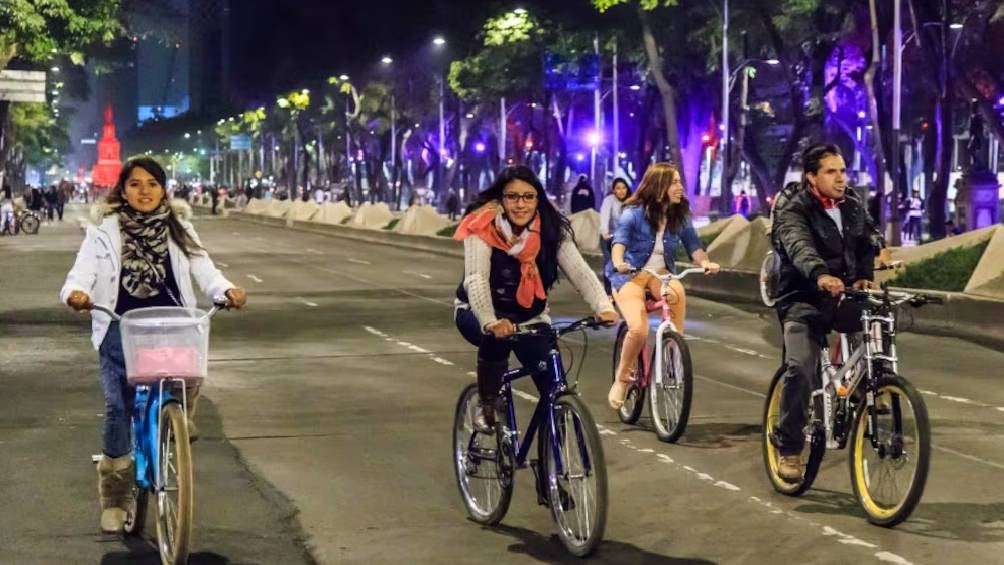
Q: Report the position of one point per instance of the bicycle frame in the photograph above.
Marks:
(879, 329)
(146, 430)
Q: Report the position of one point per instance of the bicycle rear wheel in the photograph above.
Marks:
(578, 494)
(29, 224)
(812, 453)
(889, 477)
(670, 400)
(174, 497)
(634, 400)
(483, 464)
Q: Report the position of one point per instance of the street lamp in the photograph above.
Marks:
(343, 77)
(386, 60)
(438, 41)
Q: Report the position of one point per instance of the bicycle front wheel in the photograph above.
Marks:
(29, 224)
(670, 399)
(482, 463)
(576, 474)
(889, 463)
(174, 497)
(634, 400)
(812, 453)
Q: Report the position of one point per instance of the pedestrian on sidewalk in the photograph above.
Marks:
(583, 197)
(143, 253)
(610, 214)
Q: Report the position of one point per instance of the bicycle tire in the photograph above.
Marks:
(671, 428)
(135, 523)
(463, 468)
(588, 438)
(174, 535)
(29, 224)
(634, 400)
(876, 512)
(816, 446)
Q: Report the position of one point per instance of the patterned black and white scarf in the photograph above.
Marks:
(144, 249)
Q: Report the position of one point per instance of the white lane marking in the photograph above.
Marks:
(307, 302)
(358, 261)
(222, 264)
(741, 350)
(442, 361)
(724, 485)
(413, 347)
(730, 386)
(892, 558)
(423, 275)
(314, 251)
(235, 233)
(969, 457)
(255, 279)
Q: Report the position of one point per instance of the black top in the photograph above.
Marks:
(809, 244)
(169, 287)
(504, 281)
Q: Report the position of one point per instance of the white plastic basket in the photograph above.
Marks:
(167, 342)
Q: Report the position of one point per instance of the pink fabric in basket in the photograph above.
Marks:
(157, 362)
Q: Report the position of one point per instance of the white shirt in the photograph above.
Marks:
(657, 262)
(610, 214)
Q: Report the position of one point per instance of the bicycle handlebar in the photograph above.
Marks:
(218, 304)
(557, 330)
(669, 276)
(892, 297)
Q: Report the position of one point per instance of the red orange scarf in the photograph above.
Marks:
(490, 224)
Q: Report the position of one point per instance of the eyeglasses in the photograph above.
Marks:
(528, 197)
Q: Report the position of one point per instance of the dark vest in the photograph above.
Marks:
(503, 281)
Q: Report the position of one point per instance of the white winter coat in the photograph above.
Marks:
(99, 265)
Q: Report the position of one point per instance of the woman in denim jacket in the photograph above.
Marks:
(655, 221)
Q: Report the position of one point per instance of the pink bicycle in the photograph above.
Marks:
(664, 374)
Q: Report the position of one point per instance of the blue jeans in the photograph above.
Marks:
(120, 396)
(493, 355)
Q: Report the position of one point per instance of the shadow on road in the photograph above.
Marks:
(960, 521)
(549, 549)
(145, 551)
(718, 435)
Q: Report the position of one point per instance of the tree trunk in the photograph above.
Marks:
(667, 93)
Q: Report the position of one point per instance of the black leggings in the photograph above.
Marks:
(493, 355)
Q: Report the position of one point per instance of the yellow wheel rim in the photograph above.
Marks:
(773, 415)
(866, 473)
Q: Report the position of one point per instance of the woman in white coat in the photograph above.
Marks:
(143, 253)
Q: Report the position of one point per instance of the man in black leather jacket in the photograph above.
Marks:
(824, 239)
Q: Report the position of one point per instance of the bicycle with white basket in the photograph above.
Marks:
(166, 351)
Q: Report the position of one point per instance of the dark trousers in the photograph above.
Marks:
(802, 347)
(493, 355)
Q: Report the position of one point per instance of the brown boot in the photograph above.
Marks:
(116, 477)
(789, 468)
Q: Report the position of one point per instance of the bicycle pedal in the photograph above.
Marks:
(538, 482)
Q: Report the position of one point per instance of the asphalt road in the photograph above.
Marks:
(327, 428)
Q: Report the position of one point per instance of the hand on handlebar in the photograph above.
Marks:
(79, 301)
(830, 284)
(237, 297)
(712, 268)
(863, 284)
(501, 328)
(607, 317)
(623, 268)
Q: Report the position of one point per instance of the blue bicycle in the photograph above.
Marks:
(166, 353)
(570, 471)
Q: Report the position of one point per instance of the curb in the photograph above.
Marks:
(962, 316)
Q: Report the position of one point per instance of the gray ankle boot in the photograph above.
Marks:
(116, 477)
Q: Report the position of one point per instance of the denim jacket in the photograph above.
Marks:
(634, 233)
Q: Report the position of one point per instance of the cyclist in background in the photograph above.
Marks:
(654, 223)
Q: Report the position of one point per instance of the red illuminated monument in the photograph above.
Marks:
(106, 172)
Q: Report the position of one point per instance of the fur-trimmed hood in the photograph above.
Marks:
(102, 209)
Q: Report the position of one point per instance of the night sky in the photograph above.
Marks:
(281, 44)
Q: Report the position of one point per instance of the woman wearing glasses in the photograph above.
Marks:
(655, 222)
(514, 243)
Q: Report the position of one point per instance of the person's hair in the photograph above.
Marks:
(812, 157)
(653, 198)
(621, 180)
(116, 199)
(554, 228)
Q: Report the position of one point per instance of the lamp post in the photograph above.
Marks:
(439, 42)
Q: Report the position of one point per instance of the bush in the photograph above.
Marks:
(948, 271)
(392, 223)
(448, 231)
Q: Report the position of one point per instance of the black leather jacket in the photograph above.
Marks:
(810, 245)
